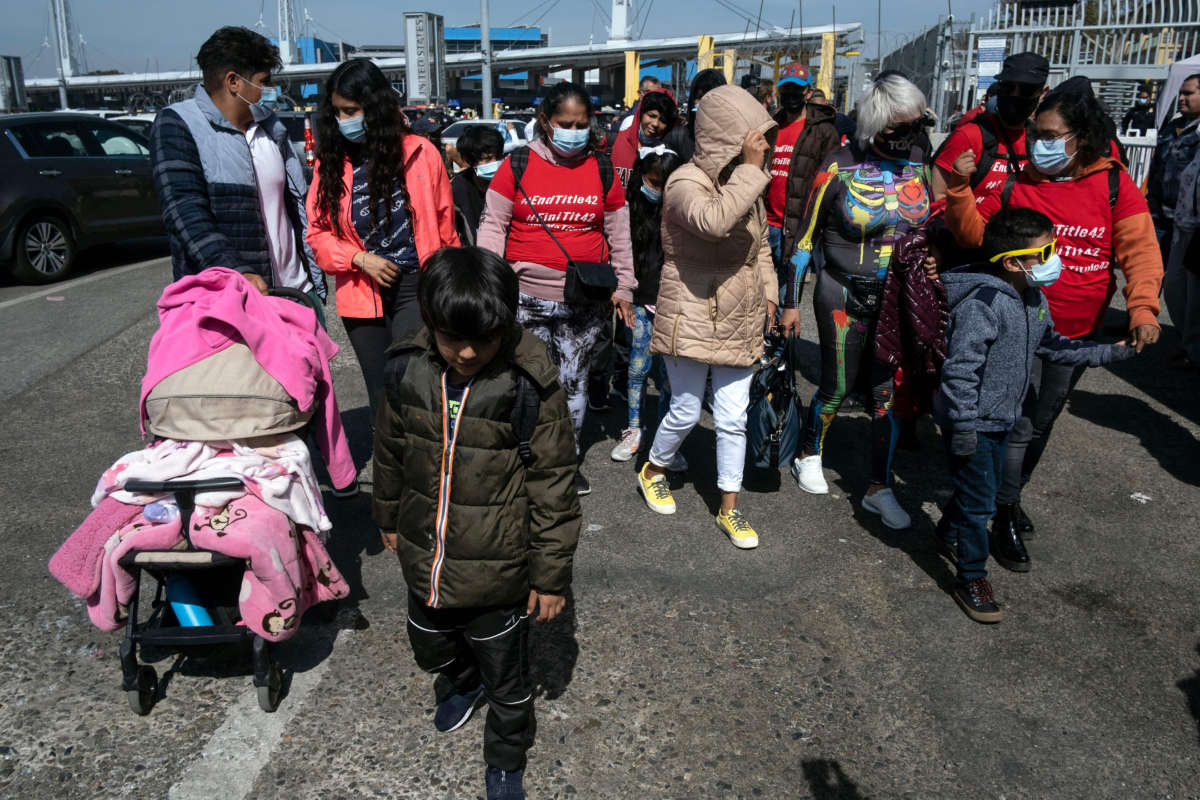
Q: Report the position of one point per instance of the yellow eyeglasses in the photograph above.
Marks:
(1046, 252)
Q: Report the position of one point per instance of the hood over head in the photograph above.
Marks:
(726, 114)
(962, 282)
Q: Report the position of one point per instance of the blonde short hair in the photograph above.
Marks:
(887, 101)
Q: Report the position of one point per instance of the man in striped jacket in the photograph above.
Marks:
(231, 187)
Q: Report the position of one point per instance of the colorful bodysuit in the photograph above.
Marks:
(860, 206)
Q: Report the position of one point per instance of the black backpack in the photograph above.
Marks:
(518, 160)
(990, 151)
(526, 405)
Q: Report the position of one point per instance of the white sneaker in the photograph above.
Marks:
(627, 448)
(808, 475)
(678, 464)
(884, 504)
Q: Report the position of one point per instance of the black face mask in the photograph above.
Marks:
(791, 102)
(898, 143)
(1014, 111)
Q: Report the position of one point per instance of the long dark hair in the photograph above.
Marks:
(361, 81)
(644, 216)
(559, 94)
(1094, 130)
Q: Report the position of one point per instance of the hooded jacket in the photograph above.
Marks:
(717, 274)
(818, 139)
(477, 527)
(432, 226)
(1092, 237)
(994, 334)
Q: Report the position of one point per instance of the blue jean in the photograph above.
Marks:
(641, 364)
(964, 522)
(782, 265)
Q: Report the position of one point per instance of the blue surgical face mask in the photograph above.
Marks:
(265, 107)
(992, 105)
(1050, 155)
(1044, 273)
(570, 141)
(487, 171)
(652, 194)
(354, 128)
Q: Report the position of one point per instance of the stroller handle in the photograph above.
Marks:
(293, 294)
(205, 485)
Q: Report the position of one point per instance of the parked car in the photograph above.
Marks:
(70, 181)
(140, 123)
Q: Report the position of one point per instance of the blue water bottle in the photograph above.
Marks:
(185, 602)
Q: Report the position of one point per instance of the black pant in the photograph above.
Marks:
(1049, 389)
(847, 349)
(371, 337)
(468, 646)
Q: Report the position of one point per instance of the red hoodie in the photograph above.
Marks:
(1091, 236)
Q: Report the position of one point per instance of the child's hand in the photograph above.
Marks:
(390, 540)
(548, 606)
(965, 163)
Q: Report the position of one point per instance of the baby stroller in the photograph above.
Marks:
(226, 432)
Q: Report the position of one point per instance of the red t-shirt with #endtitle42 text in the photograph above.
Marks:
(570, 202)
(967, 136)
(781, 164)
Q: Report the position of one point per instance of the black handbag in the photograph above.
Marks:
(586, 281)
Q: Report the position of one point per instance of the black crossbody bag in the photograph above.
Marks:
(586, 281)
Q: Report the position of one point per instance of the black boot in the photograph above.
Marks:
(1024, 523)
(1006, 545)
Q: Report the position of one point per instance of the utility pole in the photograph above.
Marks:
(879, 32)
(485, 51)
(64, 40)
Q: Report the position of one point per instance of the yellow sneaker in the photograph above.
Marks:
(734, 526)
(657, 493)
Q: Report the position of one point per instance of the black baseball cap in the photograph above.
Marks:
(1025, 68)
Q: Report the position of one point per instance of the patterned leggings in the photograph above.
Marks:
(570, 333)
(847, 348)
(641, 362)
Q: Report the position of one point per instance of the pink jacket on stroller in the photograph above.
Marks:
(203, 314)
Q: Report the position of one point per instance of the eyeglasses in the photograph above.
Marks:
(1045, 252)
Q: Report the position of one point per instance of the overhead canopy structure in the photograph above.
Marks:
(579, 56)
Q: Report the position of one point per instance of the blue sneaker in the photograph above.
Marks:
(453, 712)
(503, 785)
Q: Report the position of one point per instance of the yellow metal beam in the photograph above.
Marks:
(728, 62)
(825, 70)
(633, 68)
(704, 53)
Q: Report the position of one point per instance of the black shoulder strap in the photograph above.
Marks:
(526, 407)
(988, 149)
(1114, 185)
(518, 160)
(607, 175)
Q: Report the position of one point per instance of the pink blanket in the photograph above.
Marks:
(289, 570)
(204, 314)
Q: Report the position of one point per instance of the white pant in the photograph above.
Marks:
(731, 398)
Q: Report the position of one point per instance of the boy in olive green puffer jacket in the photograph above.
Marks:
(485, 534)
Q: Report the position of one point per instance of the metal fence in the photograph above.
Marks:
(1139, 149)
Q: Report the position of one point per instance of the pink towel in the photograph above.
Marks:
(77, 563)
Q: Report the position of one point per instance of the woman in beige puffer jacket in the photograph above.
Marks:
(717, 295)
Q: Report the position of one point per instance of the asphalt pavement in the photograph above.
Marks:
(828, 663)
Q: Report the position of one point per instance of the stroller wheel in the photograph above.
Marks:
(141, 699)
(270, 695)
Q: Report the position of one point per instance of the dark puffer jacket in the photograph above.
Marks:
(477, 527)
(913, 313)
(818, 139)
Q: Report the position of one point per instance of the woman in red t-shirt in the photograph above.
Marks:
(564, 181)
(1070, 178)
